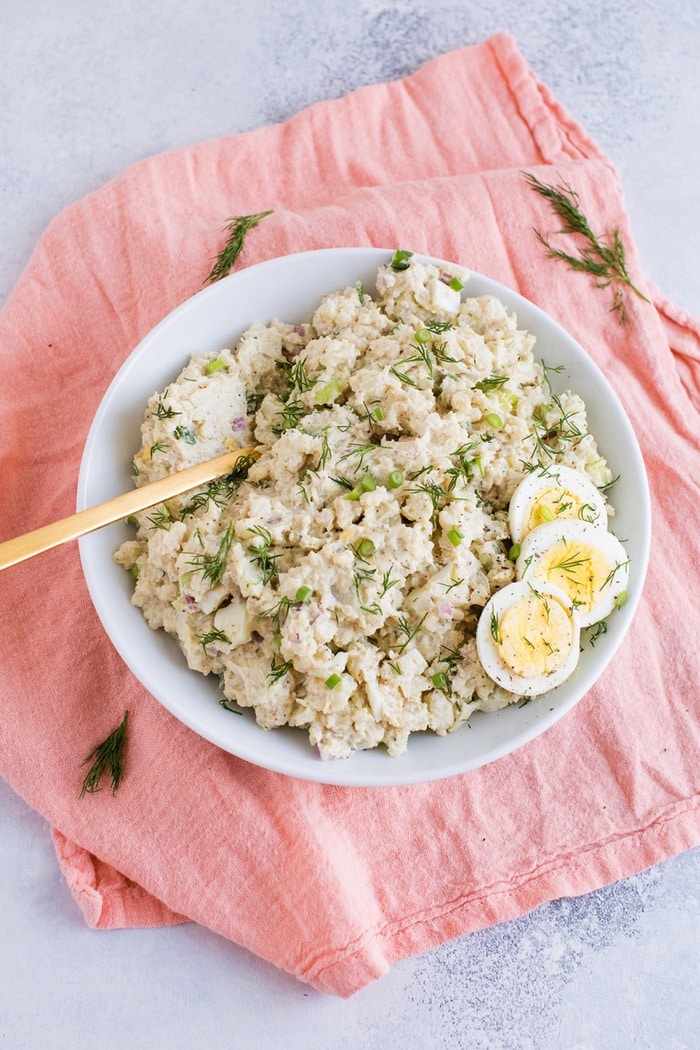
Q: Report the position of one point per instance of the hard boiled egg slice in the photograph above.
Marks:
(553, 494)
(527, 638)
(589, 564)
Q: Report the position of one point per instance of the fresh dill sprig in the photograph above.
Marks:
(159, 446)
(160, 519)
(278, 669)
(215, 635)
(602, 256)
(613, 572)
(571, 563)
(212, 565)
(435, 493)
(407, 632)
(341, 480)
(360, 451)
(599, 629)
(279, 611)
(402, 377)
(297, 382)
(220, 491)
(325, 453)
(465, 467)
(163, 411)
(237, 228)
(297, 379)
(106, 757)
(387, 583)
(261, 556)
(495, 629)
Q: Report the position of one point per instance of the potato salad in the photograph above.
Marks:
(336, 579)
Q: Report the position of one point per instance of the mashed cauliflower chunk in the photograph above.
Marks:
(335, 583)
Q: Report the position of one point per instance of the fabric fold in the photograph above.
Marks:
(335, 884)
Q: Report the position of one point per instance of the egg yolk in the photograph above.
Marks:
(551, 505)
(534, 636)
(578, 568)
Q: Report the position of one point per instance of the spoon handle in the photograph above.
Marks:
(92, 518)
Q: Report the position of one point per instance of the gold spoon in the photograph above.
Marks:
(92, 518)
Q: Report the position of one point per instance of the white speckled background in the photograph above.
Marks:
(87, 89)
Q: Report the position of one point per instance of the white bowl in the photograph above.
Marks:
(289, 289)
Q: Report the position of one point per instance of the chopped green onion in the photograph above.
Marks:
(365, 548)
(359, 288)
(494, 420)
(327, 394)
(214, 365)
(475, 466)
(401, 259)
(354, 494)
(379, 414)
(547, 513)
(134, 570)
(456, 284)
(455, 536)
(303, 594)
(368, 483)
(514, 552)
(395, 479)
(440, 681)
(423, 335)
(333, 681)
(621, 599)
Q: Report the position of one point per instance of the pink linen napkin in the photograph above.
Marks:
(335, 884)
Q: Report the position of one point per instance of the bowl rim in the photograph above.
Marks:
(362, 769)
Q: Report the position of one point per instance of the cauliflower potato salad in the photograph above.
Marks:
(420, 533)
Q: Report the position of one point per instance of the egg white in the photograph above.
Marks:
(575, 497)
(582, 551)
(490, 652)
